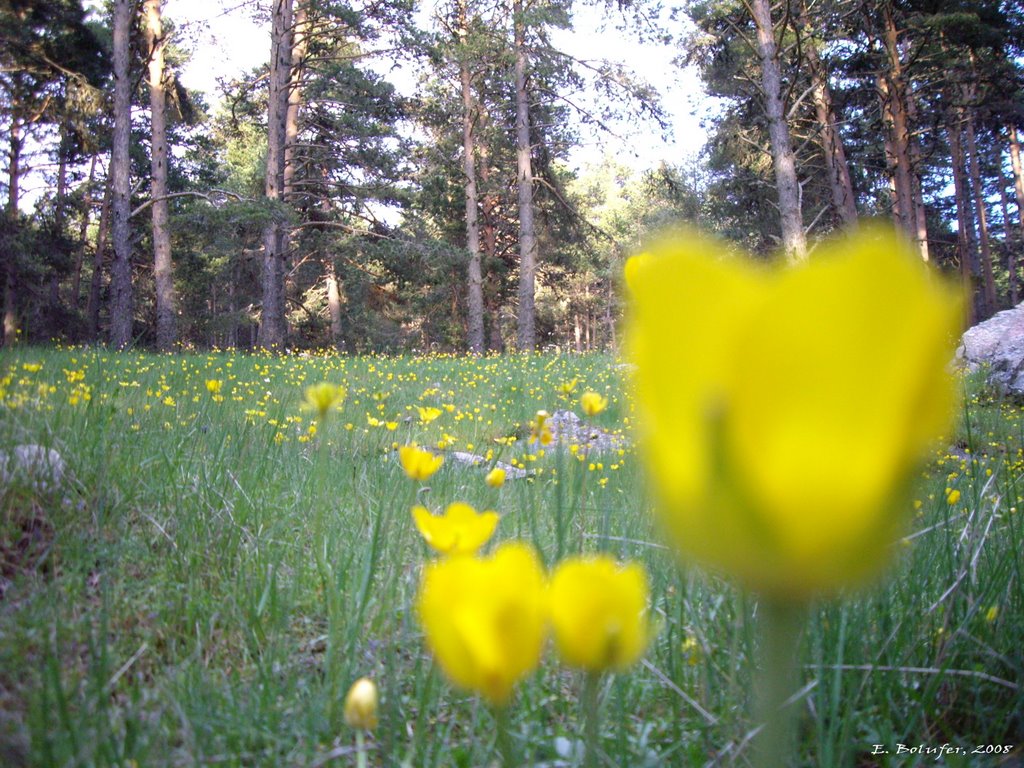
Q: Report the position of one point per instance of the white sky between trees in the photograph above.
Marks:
(225, 42)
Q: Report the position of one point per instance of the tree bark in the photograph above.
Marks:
(974, 172)
(83, 231)
(99, 257)
(965, 222)
(13, 193)
(1018, 176)
(892, 93)
(166, 309)
(121, 304)
(334, 306)
(272, 324)
(526, 332)
(843, 200)
(794, 243)
(475, 288)
(1010, 242)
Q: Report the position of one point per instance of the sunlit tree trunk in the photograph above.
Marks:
(99, 258)
(166, 333)
(1018, 176)
(526, 335)
(1010, 241)
(13, 193)
(83, 231)
(794, 243)
(121, 304)
(965, 221)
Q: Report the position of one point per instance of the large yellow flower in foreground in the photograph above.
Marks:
(460, 531)
(786, 410)
(599, 612)
(484, 618)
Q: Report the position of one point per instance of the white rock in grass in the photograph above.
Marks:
(42, 469)
(998, 343)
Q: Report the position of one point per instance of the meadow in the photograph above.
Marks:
(219, 568)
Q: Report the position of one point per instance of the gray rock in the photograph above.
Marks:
(42, 469)
(999, 344)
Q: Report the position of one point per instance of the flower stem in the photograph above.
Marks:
(505, 749)
(360, 749)
(591, 719)
(778, 665)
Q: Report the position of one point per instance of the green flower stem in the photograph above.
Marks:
(776, 680)
(504, 741)
(360, 749)
(591, 719)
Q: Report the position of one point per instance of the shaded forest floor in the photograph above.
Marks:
(204, 583)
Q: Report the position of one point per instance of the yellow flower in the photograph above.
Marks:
(361, 705)
(992, 613)
(323, 397)
(418, 463)
(213, 386)
(495, 478)
(786, 411)
(952, 496)
(484, 618)
(539, 430)
(568, 387)
(428, 414)
(592, 403)
(460, 531)
(599, 612)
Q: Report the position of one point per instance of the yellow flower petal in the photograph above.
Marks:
(418, 463)
(484, 619)
(599, 612)
(592, 403)
(460, 531)
(786, 411)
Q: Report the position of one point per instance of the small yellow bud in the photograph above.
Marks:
(495, 478)
(361, 704)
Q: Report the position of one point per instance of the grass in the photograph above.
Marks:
(213, 578)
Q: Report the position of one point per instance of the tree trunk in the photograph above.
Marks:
(965, 222)
(893, 95)
(334, 306)
(1010, 242)
(839, 182)
(121, 305)
(166, 333)
(475, 296)
(10, 294)
(917, 195)
(272, 324)
(1018, 176)
(83, 231)
(526, 336)
(794, 243)
(99, 257)
(974, 171)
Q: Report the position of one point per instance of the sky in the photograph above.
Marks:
(226, 41)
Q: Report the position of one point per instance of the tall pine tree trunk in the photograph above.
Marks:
(83, 231)
(1010, 242)
(272, 324)
(840, 185)
(121, 304)
(964, 219)
(1018, 176)
(974, 172)
(526, 334)
(794, 243)
(475, 294)
(10, 294)
(334, 306)
(166, 333)
(99, 258)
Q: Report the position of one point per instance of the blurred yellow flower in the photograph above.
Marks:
(484, 618)
(460, 531)
(428, 414)
(786, 410)
(418, 463)
(952, 496)
(540, 431)
(598, 612)
(322, 398)
(361, 705)
(592, 403)
(495, 478)
(213, 386)
(568, 387)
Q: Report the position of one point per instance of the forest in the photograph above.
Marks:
(315, 206)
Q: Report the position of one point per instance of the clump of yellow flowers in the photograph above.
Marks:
(786, 410)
